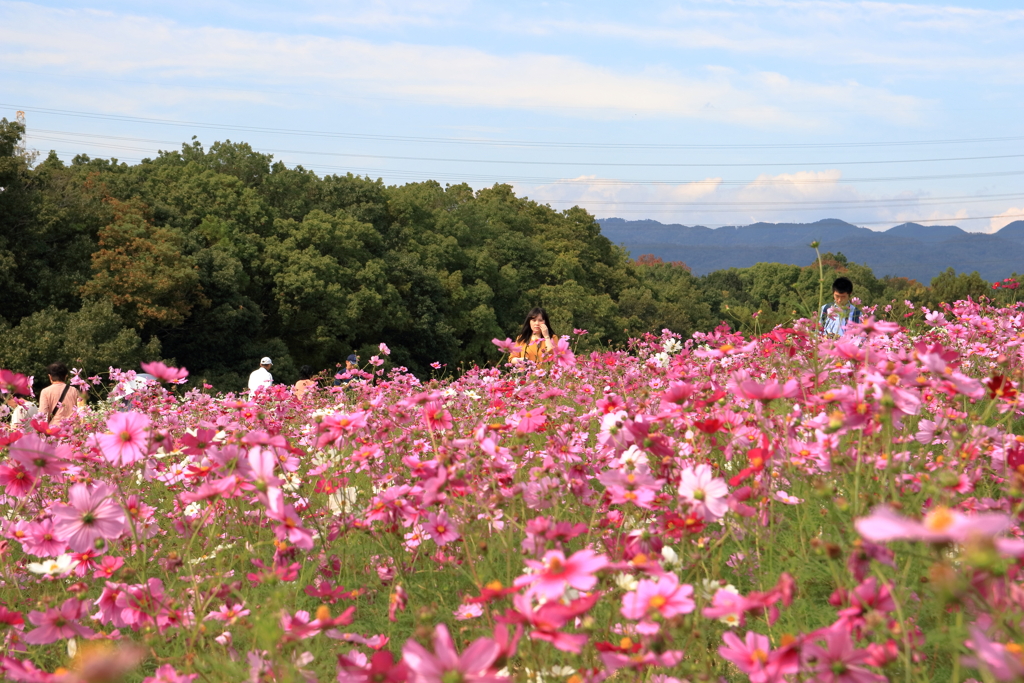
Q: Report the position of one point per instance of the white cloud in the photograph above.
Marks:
(100, 43)
(929, 39)
(1000, 221)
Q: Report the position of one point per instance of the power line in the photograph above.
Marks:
(486, 141)
(534, 162)
(548, 180)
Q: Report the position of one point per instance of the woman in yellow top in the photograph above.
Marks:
(534, 340)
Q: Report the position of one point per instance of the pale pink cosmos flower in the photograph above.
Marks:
(58, 624)
(441, 528)
(754, 657)
(705, 492)
(165, 373)
(384, 349)
(940, 525)
(554, 573)
(229, 614)
(91, 517)
(768, 391)
(993, 657)
(507, 346)
(127, 440)
(665, 598)
(474, 666)
(466, 612)
(38, 457)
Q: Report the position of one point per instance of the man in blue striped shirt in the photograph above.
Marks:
(833, 317)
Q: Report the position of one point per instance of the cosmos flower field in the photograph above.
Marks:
(780, 508)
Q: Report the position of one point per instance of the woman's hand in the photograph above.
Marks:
(544, 331)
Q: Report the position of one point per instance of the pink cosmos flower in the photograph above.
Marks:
(704, 492)
(839, 660)
(168, 674)
(91, 517)
(16, 480)
(57, 624)
(42, 540)
(262, 462)
(562, 352)
(165, 373)
(507, 346)
(548, 619)
(37, 456)
(755, 657)
(229, 613)
(436, 417)
(108, 567)
(381, 668)
(13, 382)
(554, 573)
(384, 349)
(993, 657)
(445, 664)
(939, 525)
(768, 391)
(727, 606)
(290, 527)
(441, 528)
(126, 442)
(531, 420)
(665, 598)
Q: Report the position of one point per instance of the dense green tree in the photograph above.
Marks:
(948, 287)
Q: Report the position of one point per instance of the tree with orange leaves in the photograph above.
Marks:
(140, 268)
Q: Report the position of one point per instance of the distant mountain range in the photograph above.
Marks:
(909, 250)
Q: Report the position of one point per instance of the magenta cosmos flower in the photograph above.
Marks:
(127, 440)
(940, 525)
(839, 661)
(57, 624)
(90, 517)
(445, 664)
(554, 573)
(705, 492)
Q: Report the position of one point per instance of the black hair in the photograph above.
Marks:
(306, 371)
(58, 370)
(842, 285)
(526, 332)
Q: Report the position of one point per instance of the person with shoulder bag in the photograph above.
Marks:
(58, 401)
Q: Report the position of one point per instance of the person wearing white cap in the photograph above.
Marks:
(261, 376)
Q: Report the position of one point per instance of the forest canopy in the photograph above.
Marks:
(214, 257)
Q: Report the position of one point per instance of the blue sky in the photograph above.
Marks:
(713, 113)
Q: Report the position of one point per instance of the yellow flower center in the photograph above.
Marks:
(938, 519)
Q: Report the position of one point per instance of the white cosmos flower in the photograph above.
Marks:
(53, 567)
(670, 558)
(626, 582)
